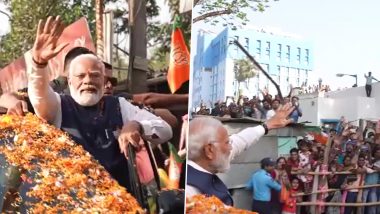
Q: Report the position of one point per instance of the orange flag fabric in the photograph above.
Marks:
(320, 137)
(174, 171)
(179, 65)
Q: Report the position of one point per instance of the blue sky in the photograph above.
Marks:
(345, 35)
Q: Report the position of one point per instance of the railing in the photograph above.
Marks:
(319, 188)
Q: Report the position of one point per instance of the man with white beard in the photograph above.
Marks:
(210, 151)
(103, 125)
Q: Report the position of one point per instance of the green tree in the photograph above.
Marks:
(244, 70)
(160, 54)
(159, 62)
(25, 15)
(228, 10)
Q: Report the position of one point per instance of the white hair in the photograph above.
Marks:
(85, 99)
(86, 56)
(201, 131)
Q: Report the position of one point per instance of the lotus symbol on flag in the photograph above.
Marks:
(179, 56)
(80, 42)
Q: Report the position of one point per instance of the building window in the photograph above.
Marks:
(258, 48)
(267, 50)
(287, 74)
(246, 43)
(266, 68)
(288, 53)
(299, 55)
(307, 56)
(306, 76)
(279, 46)
(237, 39)
(298, 77)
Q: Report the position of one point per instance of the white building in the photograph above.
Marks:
(351, 103)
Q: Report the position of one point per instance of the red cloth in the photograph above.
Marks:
(144, 167)
(290, 164)
(273, 174)
(290, 205)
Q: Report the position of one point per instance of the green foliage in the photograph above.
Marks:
(159, 62)
(24, 21)
(231, 12)
(121, 17)
(160, 57)
(25, 15)
(244, 69)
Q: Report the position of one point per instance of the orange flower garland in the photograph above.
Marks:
(66, 177)
(201, 204)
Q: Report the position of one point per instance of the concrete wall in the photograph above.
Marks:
(309, 106)
(351, 103)
(367, 107)
(360, 92)
(248, 162)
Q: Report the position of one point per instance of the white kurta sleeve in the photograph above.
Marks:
(244, 139)
(191, 191)
(44, 100)
(156, 130)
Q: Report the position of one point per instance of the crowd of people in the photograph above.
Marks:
(254, 108)
(105, 123)
(353, 161)
(315, 89)
(353, 151)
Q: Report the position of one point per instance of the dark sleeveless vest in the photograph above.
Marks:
(94, 128)
(209, 184)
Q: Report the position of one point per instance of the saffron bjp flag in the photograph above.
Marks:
(320, 137)
(174, 171)
(179, 64)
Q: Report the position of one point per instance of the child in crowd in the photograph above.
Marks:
(304, 157)
(290, 205)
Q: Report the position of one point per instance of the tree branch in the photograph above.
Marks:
(211, 14)
(196, 2)
(120, 49)
(9, 17)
